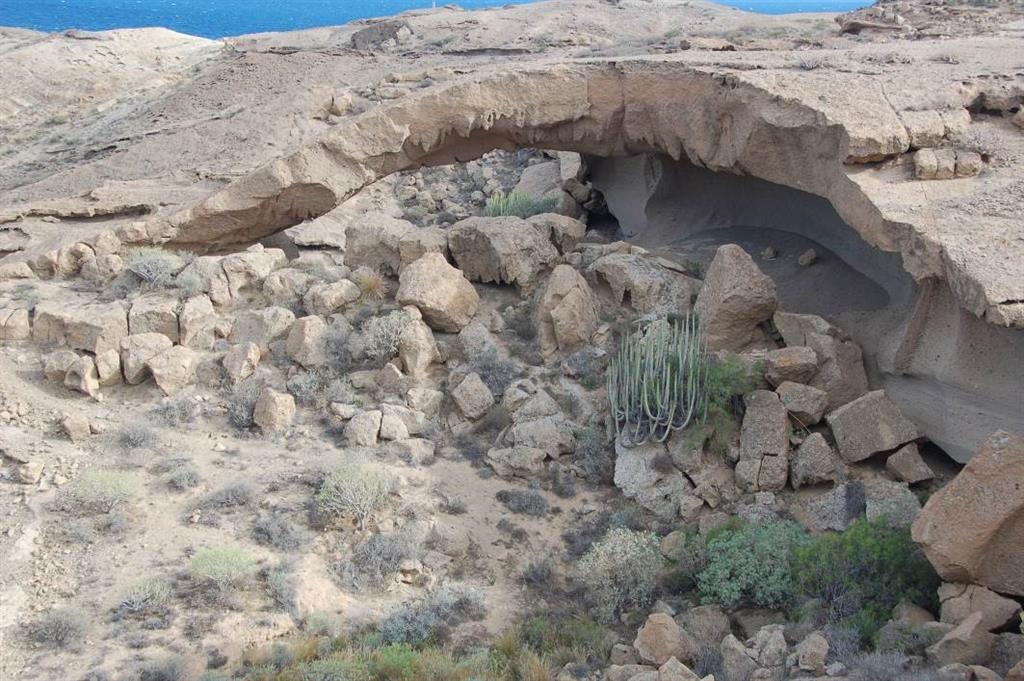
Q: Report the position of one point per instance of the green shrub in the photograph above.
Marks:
(59, 628)
(656, 382)
(751, 564)
(224, 567)
(333, 669)
(150, 593)
(621, 570)
(430, 620)
(729, 377)
(355, 489)
(517, 204)
(396, 662)
(862, 573)
(99, 491)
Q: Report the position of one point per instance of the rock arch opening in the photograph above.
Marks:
(747, 157)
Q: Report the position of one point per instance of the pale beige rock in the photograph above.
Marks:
(57, 363)
(907, 465)
(415, 244)
(392, 427)
(563, 231)
(660, 639)
(840, 362)
(77, 427)
(868, 425)
(307, 342)
(926, 128)
(764, 444)
(363, 428)
(101, 268)
(959, 601)
(736, 297)
(674, 670)
(813, 462)
(472, 397)
(804, 403)
(521, 461)
(93, 327)
(248, 269)
(108, 367)
(16, 270)
(325, 299)
(646, 283)
(154, 313)
(505, 250)
(968, 163)
(566, 314)
(413, 420)
(274, 411)
(241, 360)
(812, 653)
(441, 293)
(969, 643)
(14, 324)
(136, 351)
(197, 321)
(173, 369)
(417, 349)
(426, 400)
(796, 364)
(261, 326)
(373, 241)
(82, 376)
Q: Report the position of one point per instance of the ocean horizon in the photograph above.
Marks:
(221, 18)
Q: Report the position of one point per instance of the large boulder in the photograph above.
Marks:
(503, 250)
(14, 324)
(660, 639)
(417, 348)
(136, 351)
(443, 295)
(813, 462)
(155, 312)
(969, 643)
(94, 327)
(805, 403)
(972, 530)
(735, 299)
(472, 397)
(261, 326)
(563, 231)
(307, 341)
(274, 411)
(646, 475)
(868, 425)
(197, 323)
(566, 312)
(373, 241)
(174, 368)
(645, 284)
(840, 362)
(329, 297)
(764, 444)
(960, 600)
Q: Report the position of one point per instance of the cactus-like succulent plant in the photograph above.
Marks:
(656, 382)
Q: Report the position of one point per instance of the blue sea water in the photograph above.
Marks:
(219, 18)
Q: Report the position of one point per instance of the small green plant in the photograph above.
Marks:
(99, 491)
(656, 383)
(621, 570)
(59, 628)
(357, 489)
(430, 620)
(863, 572)
(517, 204)
(751, 564)
(151, 593)
(373, 286)
(223, 567)
(138, 436)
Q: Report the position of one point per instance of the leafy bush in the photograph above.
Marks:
(495, 371)
(594, 456)
(223, 567)
(751, 564)
(321, 624)
(179, 410)
(621, 570)
(355, 489)
(333, 669)
(241, 401)
(278, 532)
(656, 382)
(59, 628)
(517, 204)
(138, 436)
(862, 573)
(281, 586)
(155, 267)
(430, 620)
(183, 477)
(688, 558)
(99, 491)
(150, 593)
(380, 336)
(525, 501)
(728, 379)
(379, 557)
(173, 668)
